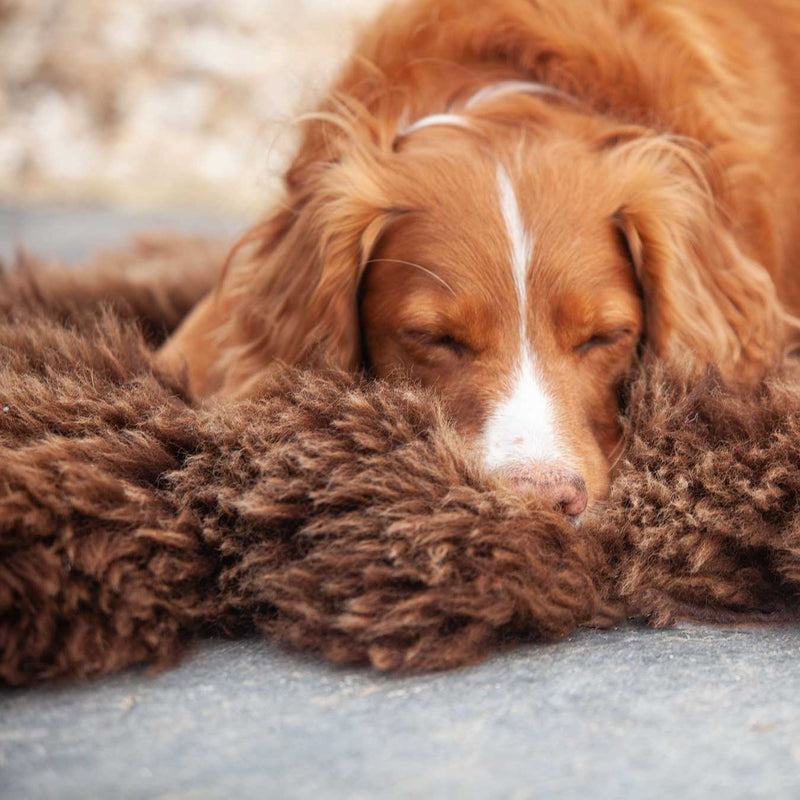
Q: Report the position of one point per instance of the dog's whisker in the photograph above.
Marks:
(416, 266)
(616, 455)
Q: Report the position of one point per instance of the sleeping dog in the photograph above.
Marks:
(507, 199)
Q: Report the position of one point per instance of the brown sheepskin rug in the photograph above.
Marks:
(340, 516)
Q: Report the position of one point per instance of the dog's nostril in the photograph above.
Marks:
(556, 483)
(569, 497)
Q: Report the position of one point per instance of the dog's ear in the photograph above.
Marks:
(290, 293)
(705, 300)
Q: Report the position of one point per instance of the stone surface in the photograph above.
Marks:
(692, 712)
(688, 713)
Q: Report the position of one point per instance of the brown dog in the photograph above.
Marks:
(505, 199)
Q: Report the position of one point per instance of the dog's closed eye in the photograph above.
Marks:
(431, 339)
(604, 339)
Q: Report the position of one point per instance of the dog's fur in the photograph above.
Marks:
(342, 516)
(655, 160)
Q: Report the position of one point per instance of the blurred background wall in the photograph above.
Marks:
(154, 104)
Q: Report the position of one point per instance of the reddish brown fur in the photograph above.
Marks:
(682, 133)
(130, 521)
(343, 517)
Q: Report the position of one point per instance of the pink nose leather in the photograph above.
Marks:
(554, 482)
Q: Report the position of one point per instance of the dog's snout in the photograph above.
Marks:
(556, 483)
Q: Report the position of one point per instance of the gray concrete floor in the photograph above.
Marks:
(692, 712)
(72, 233)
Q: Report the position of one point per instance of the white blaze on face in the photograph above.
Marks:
(522, 426)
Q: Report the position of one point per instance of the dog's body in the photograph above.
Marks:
(506, 198)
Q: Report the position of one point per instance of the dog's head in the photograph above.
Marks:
(515, 256)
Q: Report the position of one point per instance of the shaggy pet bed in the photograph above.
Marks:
(340, 516)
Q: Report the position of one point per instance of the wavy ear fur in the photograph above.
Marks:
(706, 301)
(293, 297)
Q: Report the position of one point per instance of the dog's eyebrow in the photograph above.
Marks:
(427, 271)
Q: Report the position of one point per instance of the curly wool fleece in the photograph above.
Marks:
(337, 515)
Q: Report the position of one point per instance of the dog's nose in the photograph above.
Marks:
(559, 485)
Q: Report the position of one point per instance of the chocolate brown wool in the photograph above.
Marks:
(340, 516)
